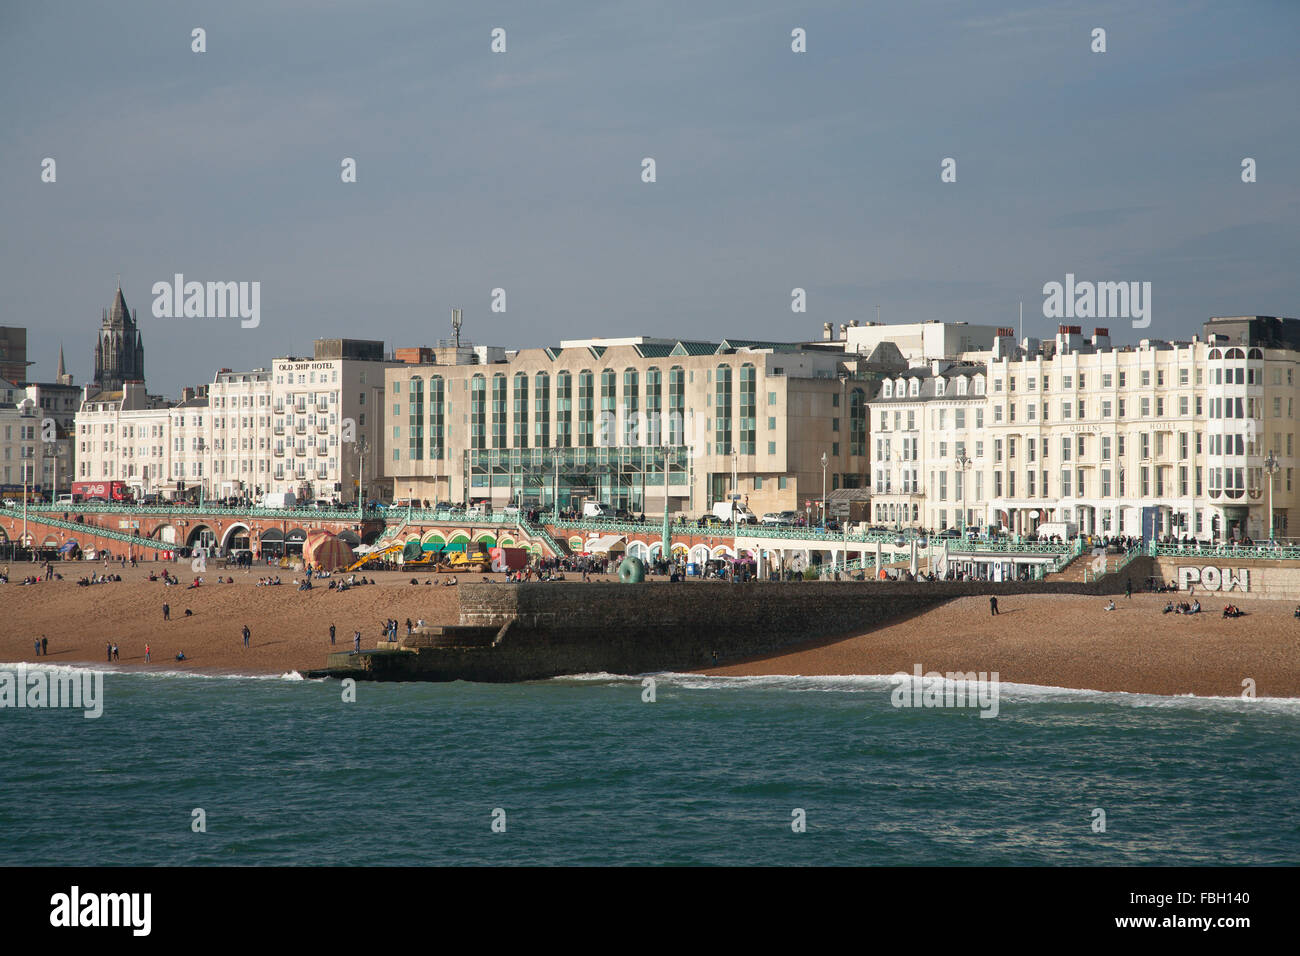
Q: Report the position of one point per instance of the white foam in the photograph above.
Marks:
(1008, 691)
(138, 671)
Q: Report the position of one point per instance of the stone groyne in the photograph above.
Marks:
(519, 632)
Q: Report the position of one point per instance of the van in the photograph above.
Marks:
(279, 499)
(65, 500)
(596, 509)
(1065, 530)
(723, 512)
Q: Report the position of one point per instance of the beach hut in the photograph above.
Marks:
(326, 551)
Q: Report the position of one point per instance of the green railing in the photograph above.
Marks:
(539, 531)
(95, 530)
(290, 514)
(1252, 552)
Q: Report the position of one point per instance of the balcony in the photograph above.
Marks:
(322, 428)
(322, 449)
(279, 429)
(323, 407)
(300, 450)
(300, 429)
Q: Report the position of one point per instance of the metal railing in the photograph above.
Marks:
(1260, 552)
(298, 514)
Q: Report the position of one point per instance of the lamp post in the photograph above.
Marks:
(825, 460)
(361, 477)
(963, 462)
(735, 523)
(1272, 466)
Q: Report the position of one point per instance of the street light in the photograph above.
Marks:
(824, 462)
(1272, 466)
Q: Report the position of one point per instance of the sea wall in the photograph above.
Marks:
(1221, 576)
(515, 632)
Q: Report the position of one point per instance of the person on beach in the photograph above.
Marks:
(45, 646)
(108, 652)
(37, 643)
(246, 635)
(356, 642)
(1110, 606)
(146, 653)
(115, 653)
(167, 612)
(331, 635)
(993, 606)
(1128, 588)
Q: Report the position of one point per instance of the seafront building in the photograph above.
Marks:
(305, 425)
(634, 423)
(1189, 434)
(942, 424)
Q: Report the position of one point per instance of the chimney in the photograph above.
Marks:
(1101, 338)
(1004, 343)
(826, 331)
(843, 332)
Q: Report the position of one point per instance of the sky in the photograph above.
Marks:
(522, 170)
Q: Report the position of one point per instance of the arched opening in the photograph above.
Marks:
(293, 542)
(272, 542)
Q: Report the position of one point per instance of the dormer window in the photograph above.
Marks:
(961, 385)
(888, 390)
(938, 386)
(914, 387)
(979, 384)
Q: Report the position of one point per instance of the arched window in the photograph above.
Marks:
(586, 408)
(722, 410)
(520, 408)
(608, 407)
(542, 408)
(499, 410)
(564, 409)
(1215, 355)
(654, 406)
(631, 434)
(415, 419)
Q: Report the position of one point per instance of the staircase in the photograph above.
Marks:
(539, 531)
(91, 529)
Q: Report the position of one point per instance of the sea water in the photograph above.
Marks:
(186, 769)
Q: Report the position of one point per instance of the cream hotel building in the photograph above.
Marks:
(1189, 434)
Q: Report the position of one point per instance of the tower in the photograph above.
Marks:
(119, 352)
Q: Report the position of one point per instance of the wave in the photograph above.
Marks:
(1007, 691)
(136, 671)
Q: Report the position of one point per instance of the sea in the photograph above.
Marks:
(601, 769)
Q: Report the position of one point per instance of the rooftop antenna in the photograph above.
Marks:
(456, 321)
(877, 315)
(1022, 320)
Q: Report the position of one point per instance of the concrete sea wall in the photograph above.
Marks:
(516, 632)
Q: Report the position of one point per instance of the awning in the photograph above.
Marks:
(68, 546)
(606, 543)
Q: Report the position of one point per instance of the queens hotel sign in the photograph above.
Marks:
(1211, 578)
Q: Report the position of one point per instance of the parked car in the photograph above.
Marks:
(949, 533)
(775, 517)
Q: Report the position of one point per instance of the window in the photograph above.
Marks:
(499, 410)
(542, 410)
(478, 412)
(586, 408)
(749, 411)
(520, 408)
(722, 408)
(631, 408)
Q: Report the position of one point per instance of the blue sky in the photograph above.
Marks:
(522, 170)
